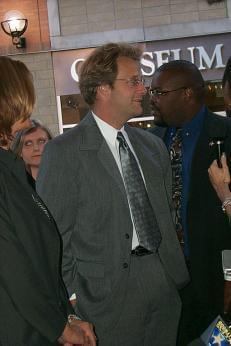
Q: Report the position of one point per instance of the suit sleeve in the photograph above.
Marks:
(25, 285)
(55, 186)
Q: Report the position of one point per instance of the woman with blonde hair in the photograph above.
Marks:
(34, 307)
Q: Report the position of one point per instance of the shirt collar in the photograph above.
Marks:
(108, 131)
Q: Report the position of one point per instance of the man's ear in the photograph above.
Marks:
(103, 89)
(188, 92)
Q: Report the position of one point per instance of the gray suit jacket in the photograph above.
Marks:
(81, 184)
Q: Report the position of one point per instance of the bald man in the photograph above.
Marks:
(177, 100)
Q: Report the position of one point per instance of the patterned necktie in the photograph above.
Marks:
(142, 213)
(176, 162)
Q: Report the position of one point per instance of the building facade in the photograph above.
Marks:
(61, 33)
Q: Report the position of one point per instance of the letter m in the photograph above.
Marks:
(205, 59)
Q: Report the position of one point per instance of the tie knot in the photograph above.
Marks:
(177, 137)
(178, 133)
(121, 139)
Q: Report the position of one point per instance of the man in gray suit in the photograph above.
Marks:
(121, 255)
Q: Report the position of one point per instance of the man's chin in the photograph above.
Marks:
(136, 112)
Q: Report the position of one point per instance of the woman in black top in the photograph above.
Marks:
(34, 307)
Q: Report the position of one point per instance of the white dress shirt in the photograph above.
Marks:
(110, 135)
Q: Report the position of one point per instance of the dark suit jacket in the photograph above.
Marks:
(208, 227)
(33, 300)
(80, 182)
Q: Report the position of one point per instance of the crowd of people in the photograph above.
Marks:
(112, 235)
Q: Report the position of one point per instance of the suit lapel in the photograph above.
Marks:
(92, 139)
(107, 160)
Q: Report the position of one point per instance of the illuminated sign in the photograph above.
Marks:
(208, 53)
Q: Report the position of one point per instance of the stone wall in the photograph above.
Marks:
(86, 16)
(40, 64)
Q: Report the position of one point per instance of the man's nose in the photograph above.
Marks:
(141, 87)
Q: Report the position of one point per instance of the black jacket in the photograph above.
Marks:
(33, 301)
(209, 231)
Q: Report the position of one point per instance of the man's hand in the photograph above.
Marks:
(78, 333)
(70, 336)
(87, 328)
(220, 178)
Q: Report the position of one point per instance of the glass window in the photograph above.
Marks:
(73, 108)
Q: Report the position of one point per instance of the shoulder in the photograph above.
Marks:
(149, 140)
(63, 145)
(158, 131)
(72, 137)
(217, 125)
(145, 135)
(8, 165)
(218, 119)
(153, 136)
(66, 137)
(7, 181)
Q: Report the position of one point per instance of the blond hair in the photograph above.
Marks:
(17, 94)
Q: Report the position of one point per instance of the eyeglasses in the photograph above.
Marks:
(156, 92)
(31, 144)
(133, 82)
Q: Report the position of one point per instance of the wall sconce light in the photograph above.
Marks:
(14, 24)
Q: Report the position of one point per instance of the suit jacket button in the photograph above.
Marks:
(125, 265)
(127, 236)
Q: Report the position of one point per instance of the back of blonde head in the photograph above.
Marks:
(17, 95)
